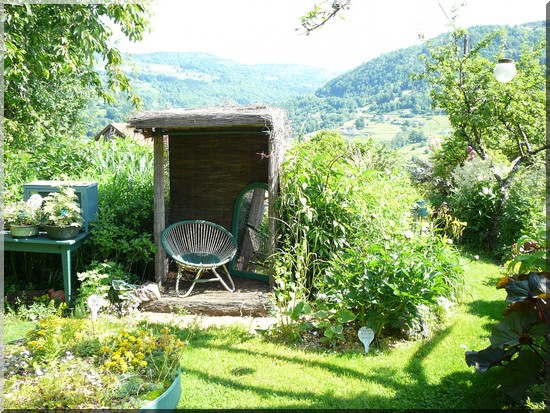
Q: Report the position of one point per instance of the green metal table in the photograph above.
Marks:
(43, 244)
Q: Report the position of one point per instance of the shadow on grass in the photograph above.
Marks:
(487, 309)
(412, 390)
(490, 311)
(492, 282)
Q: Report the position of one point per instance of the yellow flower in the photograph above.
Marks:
(123, 365)
(143, 363)
(502, 282)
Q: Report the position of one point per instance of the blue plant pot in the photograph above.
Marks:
(169, 399)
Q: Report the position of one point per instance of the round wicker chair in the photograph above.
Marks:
(199, 246)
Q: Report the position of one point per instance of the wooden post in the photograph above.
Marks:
(161, 263)
(272, 190)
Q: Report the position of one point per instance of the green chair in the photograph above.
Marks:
(199, 246)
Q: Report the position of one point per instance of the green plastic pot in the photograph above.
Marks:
(62, 232)
(169, 399)
(24, 231)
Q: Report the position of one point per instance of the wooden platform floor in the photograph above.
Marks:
(251, 298)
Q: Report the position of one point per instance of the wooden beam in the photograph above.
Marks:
(161, 263)
(272, 192)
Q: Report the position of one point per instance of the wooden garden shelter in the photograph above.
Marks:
(213, 154)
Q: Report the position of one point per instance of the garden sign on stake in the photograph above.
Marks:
(366, 335)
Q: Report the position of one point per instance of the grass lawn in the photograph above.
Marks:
(227, 367)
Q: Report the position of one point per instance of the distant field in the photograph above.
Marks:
(383, 131)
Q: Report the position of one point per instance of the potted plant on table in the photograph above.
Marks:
(63, 215)
(23, 218)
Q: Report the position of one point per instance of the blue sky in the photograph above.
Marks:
(264, 31)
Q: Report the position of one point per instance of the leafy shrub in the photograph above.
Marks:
(123, 230)
(525, 209)
(388, 284)
(107, 280)
(331, 196)
(474, 196)
(338, 261)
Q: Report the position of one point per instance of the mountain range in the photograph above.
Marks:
(313, 98)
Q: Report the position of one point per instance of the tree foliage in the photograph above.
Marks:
(52, 59)
(496, 122)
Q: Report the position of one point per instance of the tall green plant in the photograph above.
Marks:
(341, 258)
(123, 231)
(333, 194)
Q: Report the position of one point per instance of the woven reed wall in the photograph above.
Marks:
(208, 171)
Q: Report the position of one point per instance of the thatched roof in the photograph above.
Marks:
(210, 118)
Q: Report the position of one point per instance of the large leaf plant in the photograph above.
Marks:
(520, 341)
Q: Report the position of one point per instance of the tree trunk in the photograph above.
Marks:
(490, 242)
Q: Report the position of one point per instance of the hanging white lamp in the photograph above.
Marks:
(505, 70)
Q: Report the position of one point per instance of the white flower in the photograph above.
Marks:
(408, 234)
(95, 302)
(35, 201)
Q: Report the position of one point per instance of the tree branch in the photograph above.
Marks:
(309, 23)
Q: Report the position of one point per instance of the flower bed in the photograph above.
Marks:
(81, 364)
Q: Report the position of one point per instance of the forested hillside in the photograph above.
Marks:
(384, 84)
(188, 80)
